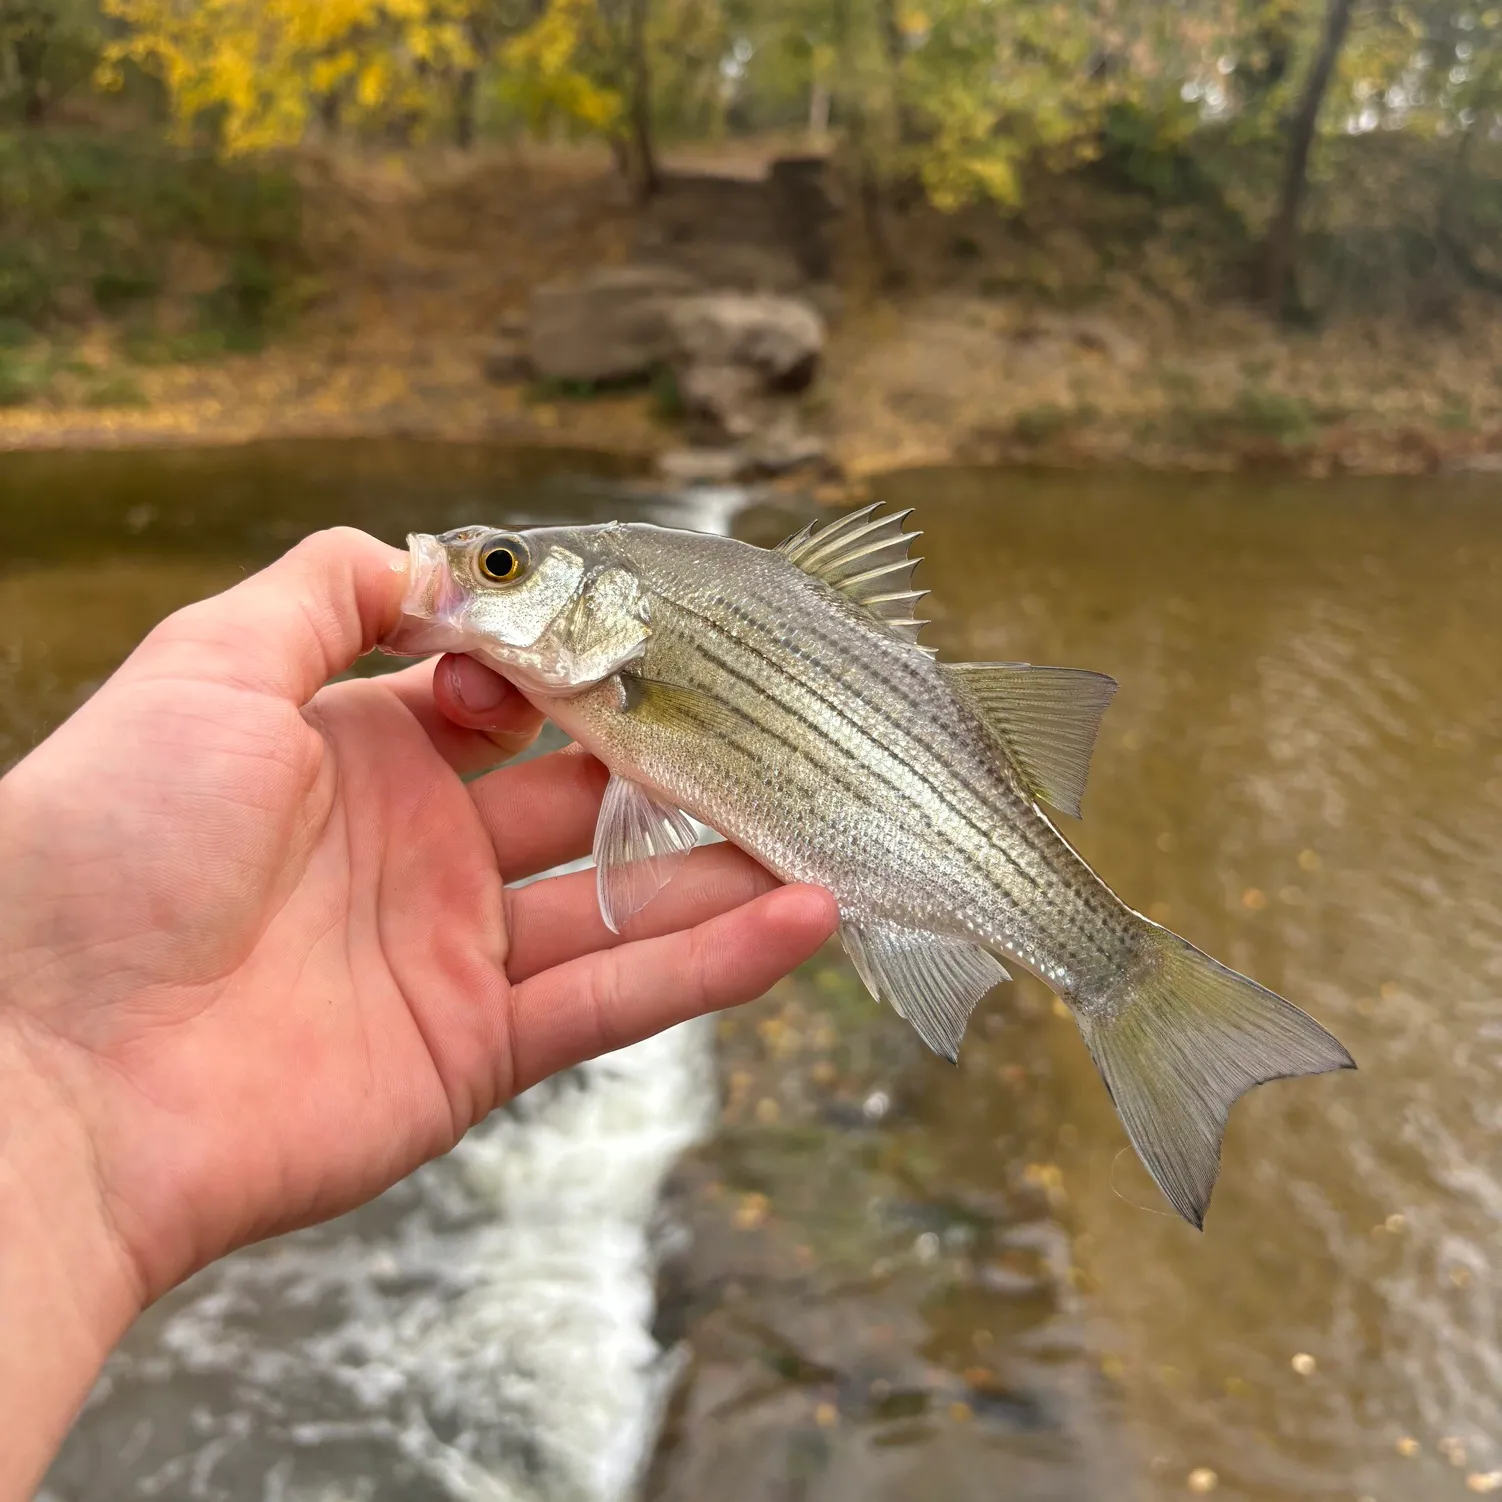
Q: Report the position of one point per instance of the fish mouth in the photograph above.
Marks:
(429, 620)
(428, 579)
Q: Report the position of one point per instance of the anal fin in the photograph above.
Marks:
(932, 981)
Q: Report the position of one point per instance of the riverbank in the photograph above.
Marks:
(414, 265)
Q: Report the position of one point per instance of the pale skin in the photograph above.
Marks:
(258, 960)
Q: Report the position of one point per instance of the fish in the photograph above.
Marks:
(782, 697)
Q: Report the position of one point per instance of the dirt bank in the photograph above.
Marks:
(417, 263)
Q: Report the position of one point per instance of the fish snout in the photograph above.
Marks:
(432, 606)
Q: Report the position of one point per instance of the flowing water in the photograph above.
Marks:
(907, 1280)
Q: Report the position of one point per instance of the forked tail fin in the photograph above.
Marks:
(1178, 1039)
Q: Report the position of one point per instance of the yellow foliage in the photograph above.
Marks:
(263, 65)
(553, 69)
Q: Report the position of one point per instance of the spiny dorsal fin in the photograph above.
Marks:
(1046, 718)
(866, 559)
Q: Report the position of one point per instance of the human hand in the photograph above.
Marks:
(257, 958)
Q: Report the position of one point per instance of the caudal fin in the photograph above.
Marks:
(1178, 1040)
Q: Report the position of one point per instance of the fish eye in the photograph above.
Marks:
(502, 559)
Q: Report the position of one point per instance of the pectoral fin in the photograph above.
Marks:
(1045, 718)
(639, 843)
(934, 982)
(676, 706)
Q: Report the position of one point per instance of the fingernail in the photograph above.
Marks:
(475, 687)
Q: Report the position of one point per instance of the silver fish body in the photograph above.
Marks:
(849, 760)
(780, 696)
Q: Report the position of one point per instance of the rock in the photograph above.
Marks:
(722, 401)
(1475, 464)
(506, 361)
(780, 338)
(701, 466)
(783, 447)
(607, 326)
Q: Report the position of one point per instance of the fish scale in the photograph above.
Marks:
(782, 697)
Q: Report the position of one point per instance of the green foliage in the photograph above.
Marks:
(1289, 419)
(1036, 425)
(958, 102)
(1256, 418)
(92, 221)
(116, 391)
(22, 379)
(48, 48)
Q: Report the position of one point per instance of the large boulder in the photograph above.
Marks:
(607, 326)
(778, 338)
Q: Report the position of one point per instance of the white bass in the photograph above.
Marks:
(782, 697)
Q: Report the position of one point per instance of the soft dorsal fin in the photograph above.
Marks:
(866, 559)
(1046, 718)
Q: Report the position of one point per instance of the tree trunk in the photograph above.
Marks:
(464, 109)
(1282, 238)
(895, 48)
(889, 272)
(466, 89)
(648, 180)
(330, 109)
(818, 110)
(30, 54)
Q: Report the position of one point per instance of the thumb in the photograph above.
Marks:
(290, 628)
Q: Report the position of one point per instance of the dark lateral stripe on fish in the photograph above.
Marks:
(838, 768)
(985, 797)
(1002, 824)
(911, 691)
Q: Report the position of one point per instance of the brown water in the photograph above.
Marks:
(1302, 773)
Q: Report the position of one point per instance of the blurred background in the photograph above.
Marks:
(1178, 324)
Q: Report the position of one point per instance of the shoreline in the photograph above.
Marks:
(417, 283)
(622, 427)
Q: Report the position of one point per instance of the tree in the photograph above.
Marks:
(260, 70)
(1282, 237)
(590, 65)
(46, 46)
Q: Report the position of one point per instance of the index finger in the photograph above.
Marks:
(290, 628)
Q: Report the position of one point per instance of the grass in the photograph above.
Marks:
(21, 381)
(37, 372)
(1040, 424)
(119, 390)
(1256, 418)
